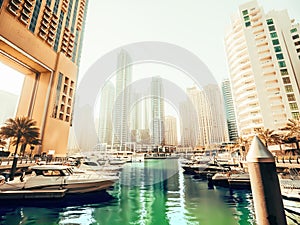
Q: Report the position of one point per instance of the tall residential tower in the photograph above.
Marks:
(263, 56)
(42, 39)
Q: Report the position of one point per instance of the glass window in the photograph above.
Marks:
(277, 49)
(282, 64)
(291, 97)
(248, 24)
(274, 35)
(269, 21)
(288, 88)
(245, 12)
(293, 30)
(61, 18)
(295, 36)
(275, 42)
(286, 80)
(296, 115)
(271, 28)
(298, 50)
(279, 56)
(246, 18)
(297, 43)
(293, 106)
(284, 72)
(35, 15)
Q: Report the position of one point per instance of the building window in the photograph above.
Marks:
(58, 89)
(279, 56)
(270, 21)
(291, 97)
(293, 106)
(297, 43)
(288, 88)
(282, 64)
(273, 35)
(74, 16)
(61, 18)
(48, 3)
(247, 24)
(298, 50)
(284, 72)
(271, 28)
(296, 115)
(55, 8)
(245, 12)
(295, 36)
(246, 18)
(286, 80)
(293, 30)
(69, 13)
(277, 49)
(35, 15)
(275, 42)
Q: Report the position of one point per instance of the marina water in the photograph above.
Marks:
(154, 192)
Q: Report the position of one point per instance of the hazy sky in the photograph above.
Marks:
(195, 25)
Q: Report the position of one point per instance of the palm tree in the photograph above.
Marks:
(244, 144)
(20, 129)
(266, 135)
(293, 135)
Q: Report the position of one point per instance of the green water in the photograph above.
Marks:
(152, 193)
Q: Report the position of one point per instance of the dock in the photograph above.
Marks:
(32, 194)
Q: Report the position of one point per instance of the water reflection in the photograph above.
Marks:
(154, 192)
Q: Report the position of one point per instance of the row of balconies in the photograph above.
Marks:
(64, 6)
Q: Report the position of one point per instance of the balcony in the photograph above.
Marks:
(13, 10)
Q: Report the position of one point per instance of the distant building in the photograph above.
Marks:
(158, 112)
(43, 39)
(121, 116)
(188, 127)
(9, 103)
(263, 54)
(171, 130)
(208, 103)
(229, 110)
(107, 100)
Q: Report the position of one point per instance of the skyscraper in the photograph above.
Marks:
(158, 112)
(107, 99)
(264, 65)
(170, 130)
(42, 39)
(229, 110)
(212, 129)
(188, 124)
(121, 129)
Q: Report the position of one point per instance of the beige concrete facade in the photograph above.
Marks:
(42, 39)
(263, 59)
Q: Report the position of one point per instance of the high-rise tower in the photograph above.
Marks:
(158, 112)
(107, 99)
(229, 110)
(42, 39)
(263, 57)
(121, 128)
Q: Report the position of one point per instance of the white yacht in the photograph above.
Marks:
(58, 177)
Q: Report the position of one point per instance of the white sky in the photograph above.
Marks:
(195, 25)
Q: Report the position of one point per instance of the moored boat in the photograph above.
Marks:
(56, 177)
